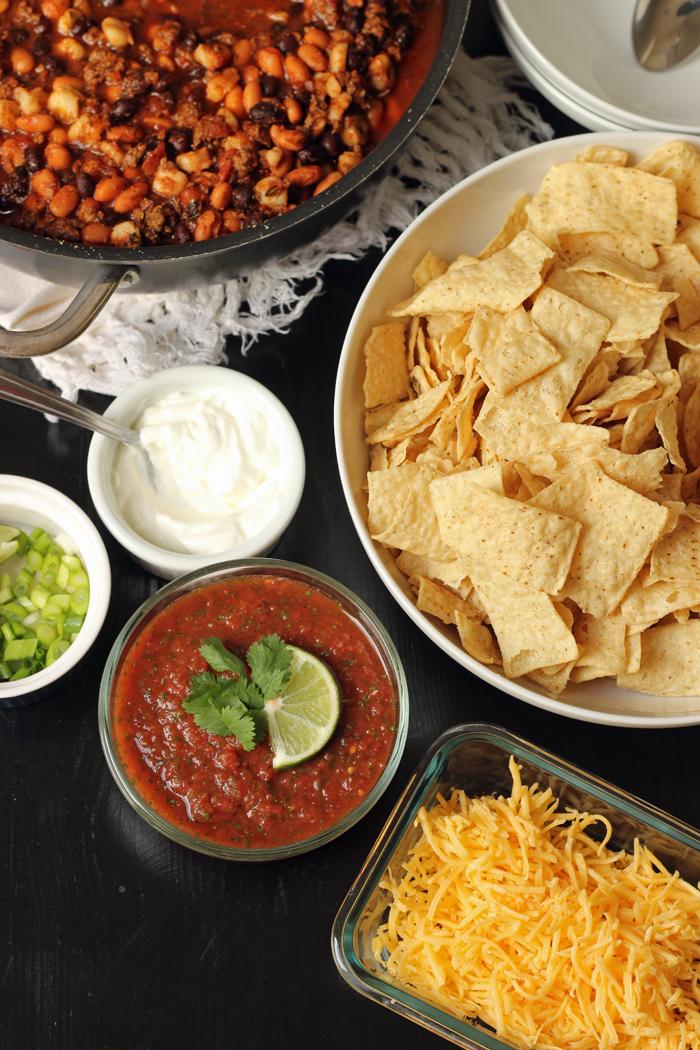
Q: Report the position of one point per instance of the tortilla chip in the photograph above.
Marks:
(388, 491)
(513, 424)
(667, 426)
(614, 265)
(679, 162)
(510, 349)
(429, 267)
(411, 416)
(415, 528)
(386, 377)
(553, 680)
(580, 197)
(452, 573)
(691, 427)
(677, 555)
(516, 221)
(670, 661)
(603, 155)
(645, 602)
(624, 389)
(502, 282)
(620, 527)
(529, 630)
(603, 643)
(634, 313)
(575, 246)
(477, 640)
(437, 600)
(529, 544)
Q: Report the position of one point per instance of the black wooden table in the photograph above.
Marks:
(113, 937)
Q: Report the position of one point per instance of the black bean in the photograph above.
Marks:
(181, 233)
(67, 177)
(80, 25)
(177, 141)
(370, 43)
(269, 111)
(269, 85)
(287, 43)
(42, 47)
(312, 154)
(85, 184)
(353, 19)
(42, 26)
(302, 96)
(404, 36)
(32, 158)
(54, 66)
(7, 206)
(241, 195)
(295, 194)
(122, 111)
(16, 36)
(166, 97)
(189, 40)
(357, 59)
(330, 142)
(196, 92)
(18, 186)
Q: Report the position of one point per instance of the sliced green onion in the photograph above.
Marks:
(15, 611)
(42, 542)
(34, 560)
(62, 576)
(72, 561)
(58, 601)
(23, 672)
(23, 541)
(79, 601)
(78, 578)
(54, 616)
(56, 649)
(8, 633)
(39, 595)
(73, 622)
(46, 632)
(5, 672)
(20, 649)
(6, 595)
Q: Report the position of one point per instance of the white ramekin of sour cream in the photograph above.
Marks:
(229, 466)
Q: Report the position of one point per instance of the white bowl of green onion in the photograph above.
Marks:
(55, 584)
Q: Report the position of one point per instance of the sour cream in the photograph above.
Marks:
(218, 473)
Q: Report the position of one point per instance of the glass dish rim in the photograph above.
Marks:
(189, 582)
(351, 910)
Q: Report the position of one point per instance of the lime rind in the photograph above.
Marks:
(302, 719)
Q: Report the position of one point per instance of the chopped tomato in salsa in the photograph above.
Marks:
(208, 784)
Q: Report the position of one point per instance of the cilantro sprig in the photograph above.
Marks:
(235, 706)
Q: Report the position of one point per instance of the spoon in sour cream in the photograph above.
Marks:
(22, 392)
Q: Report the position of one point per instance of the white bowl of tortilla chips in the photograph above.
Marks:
(530, 412)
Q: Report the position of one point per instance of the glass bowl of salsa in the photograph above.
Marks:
(206, 791)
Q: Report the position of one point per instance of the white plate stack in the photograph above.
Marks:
(579, 55)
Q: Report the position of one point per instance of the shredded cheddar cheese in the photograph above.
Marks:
(508, 911)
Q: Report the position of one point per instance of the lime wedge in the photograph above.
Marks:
(8, 532)
(7, 549)
(303, 718)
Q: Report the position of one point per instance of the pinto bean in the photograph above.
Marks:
(64, 202)
(129, 198)
(330, 180)
(109, 188)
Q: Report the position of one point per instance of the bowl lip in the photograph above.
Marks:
(102, 449)
(384, 849)
(511, 687)
(16, 489)
(241, 567)
(454, 21)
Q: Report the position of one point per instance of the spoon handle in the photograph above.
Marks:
(21, 392)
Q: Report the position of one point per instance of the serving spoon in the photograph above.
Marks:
(22, 392)
(664, 32)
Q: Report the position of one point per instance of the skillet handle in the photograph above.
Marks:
(82, 311)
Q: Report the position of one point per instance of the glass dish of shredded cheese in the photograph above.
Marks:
(514, 900)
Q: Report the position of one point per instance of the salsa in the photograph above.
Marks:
(208, 785)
